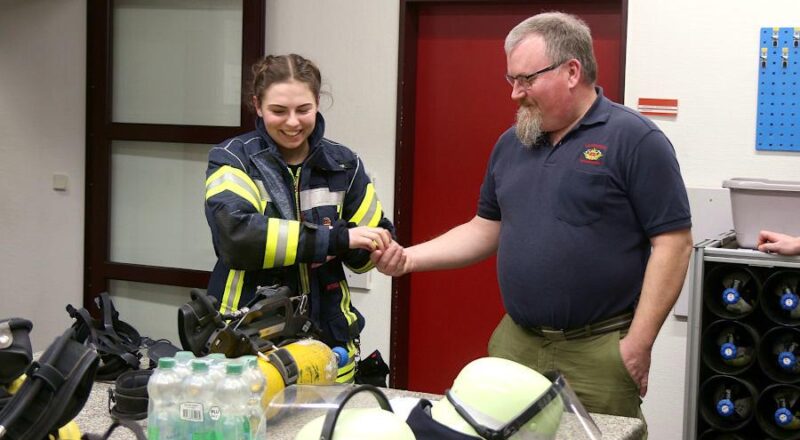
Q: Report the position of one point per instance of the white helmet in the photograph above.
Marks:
(328, 416)
(360, 424)
(501, 399)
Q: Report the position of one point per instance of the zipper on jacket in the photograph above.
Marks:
(303, 267)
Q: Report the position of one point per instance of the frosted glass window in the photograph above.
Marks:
(157, 197)
(152, 309)
(177, 62)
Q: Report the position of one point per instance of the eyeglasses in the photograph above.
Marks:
(526, 81)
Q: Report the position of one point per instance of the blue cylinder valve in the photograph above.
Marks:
(730, 295)
(725, 407)
(783, 416)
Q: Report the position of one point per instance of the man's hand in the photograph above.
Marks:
(775, 242)
(636, 358)
(393, 261)
(370, 239)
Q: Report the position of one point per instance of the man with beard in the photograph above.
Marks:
(584, 203)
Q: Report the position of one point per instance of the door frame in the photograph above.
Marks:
(404, 163)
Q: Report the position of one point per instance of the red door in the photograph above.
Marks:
(461, 104)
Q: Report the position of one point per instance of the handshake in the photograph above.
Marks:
(388, 256)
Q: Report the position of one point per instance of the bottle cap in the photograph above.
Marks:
(199, 365)
(166, 363)
(233, 368)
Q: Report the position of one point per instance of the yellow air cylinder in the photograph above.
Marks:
(69, 431)
(274, 379)
(315, 363)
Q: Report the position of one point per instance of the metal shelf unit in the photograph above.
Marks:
(707, 255)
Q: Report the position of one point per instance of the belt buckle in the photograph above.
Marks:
(554, 335)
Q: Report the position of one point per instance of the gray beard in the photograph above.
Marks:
(529, 125)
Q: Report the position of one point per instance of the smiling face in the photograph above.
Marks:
(289, 112)
(548, 104)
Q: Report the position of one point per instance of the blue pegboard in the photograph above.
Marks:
(778, 120)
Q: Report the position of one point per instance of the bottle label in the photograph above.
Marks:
(214, 413)
(192, 412)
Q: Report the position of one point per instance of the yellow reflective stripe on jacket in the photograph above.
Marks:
(282, 239)
(233, 291)
(344, 304)
(370, 211)
(228, 178)
(347, 373)
(365, 268)
(305, 285)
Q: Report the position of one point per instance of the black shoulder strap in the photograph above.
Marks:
(55, 390)
(132, 426)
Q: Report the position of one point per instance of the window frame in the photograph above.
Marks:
(101, 132)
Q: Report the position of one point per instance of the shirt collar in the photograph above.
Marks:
(599, 112)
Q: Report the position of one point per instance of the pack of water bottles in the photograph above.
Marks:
(210, 398)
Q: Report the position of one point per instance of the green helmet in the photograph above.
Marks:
(499, 397)
(360, 424)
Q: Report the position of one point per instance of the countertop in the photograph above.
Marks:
(94, 418)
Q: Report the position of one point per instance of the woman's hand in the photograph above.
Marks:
(369, 239)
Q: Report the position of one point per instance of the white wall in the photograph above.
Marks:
(705, 54)
(354, 43)
(702, 53)
(42, 120)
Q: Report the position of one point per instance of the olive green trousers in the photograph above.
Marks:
(592, 366)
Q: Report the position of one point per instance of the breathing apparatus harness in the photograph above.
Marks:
(54, 391)
(272, 318)
(116, 341)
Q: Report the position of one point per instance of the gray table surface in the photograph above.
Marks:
(94, 418)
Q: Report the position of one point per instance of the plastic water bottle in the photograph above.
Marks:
(197, 415)
(256, 383)
(216, 366)
(232, 395)
(163, 389)
(183, 361)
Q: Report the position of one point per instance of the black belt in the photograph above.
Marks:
(618, 322)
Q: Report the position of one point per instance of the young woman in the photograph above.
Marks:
(288, 207)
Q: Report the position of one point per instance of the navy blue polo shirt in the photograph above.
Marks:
(576, 217)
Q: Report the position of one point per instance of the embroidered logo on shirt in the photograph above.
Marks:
(594, 154)
(327, 221)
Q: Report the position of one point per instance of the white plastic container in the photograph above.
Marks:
(759, 204)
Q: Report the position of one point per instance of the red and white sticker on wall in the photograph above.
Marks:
(658, 107)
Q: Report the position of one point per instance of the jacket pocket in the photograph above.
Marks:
(581, 197)
(337, 331)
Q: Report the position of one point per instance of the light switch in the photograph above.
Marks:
(60, 182)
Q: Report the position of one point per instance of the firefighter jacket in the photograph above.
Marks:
(270, 225)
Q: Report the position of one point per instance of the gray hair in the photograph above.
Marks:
(565, 35)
